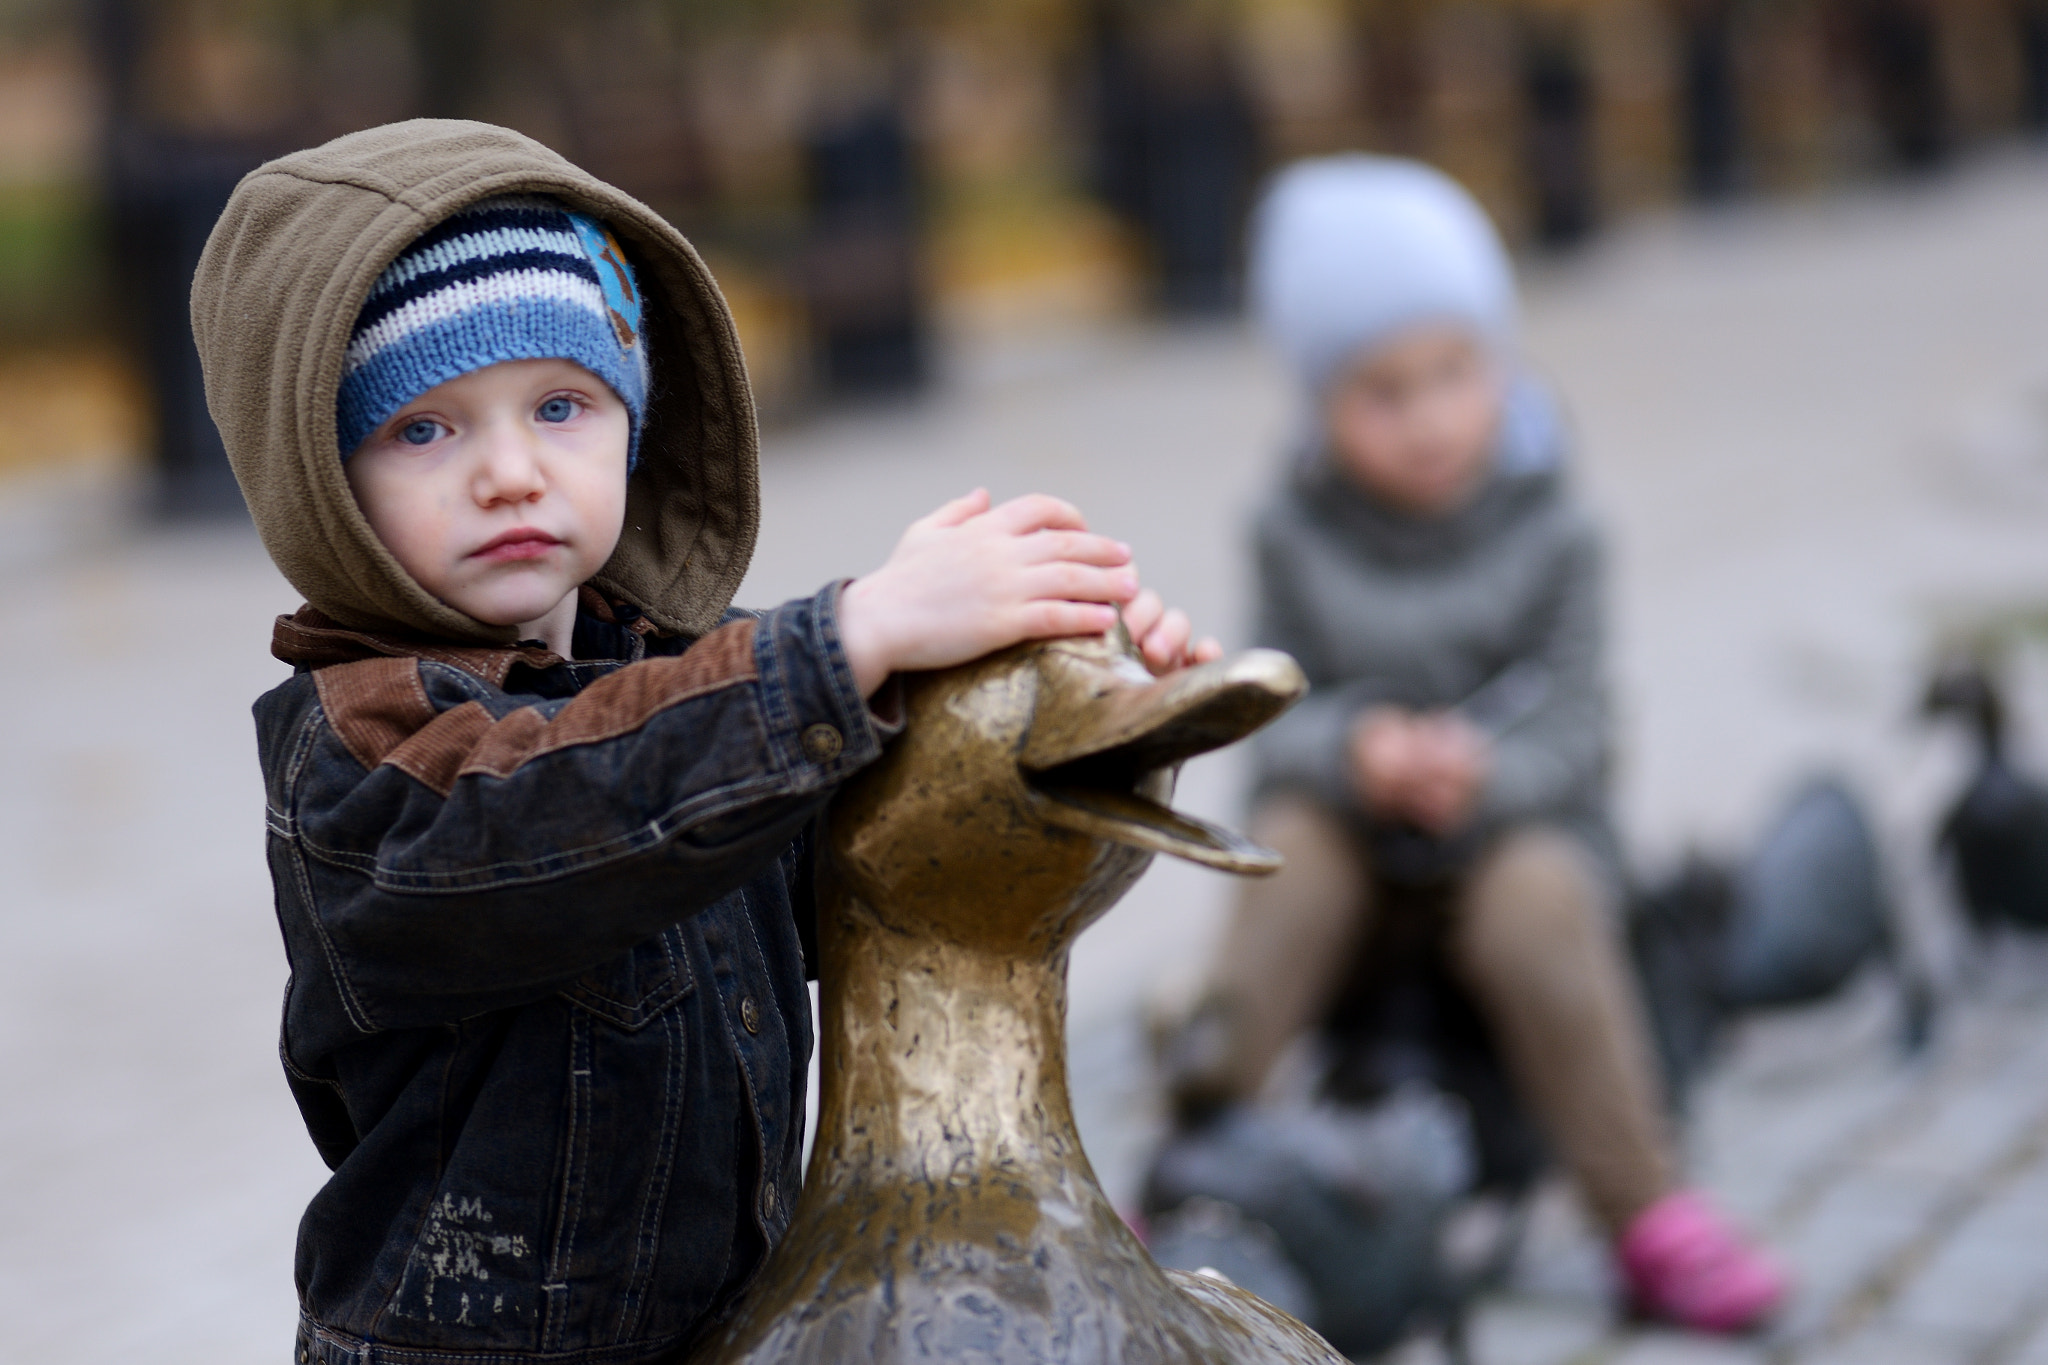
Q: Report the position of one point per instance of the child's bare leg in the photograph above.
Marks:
(1535, 946)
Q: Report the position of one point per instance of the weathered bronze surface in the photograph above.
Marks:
(949, 1212)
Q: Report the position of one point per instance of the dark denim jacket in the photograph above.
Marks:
(547, 1019)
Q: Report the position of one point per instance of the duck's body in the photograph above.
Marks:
(949, 1212)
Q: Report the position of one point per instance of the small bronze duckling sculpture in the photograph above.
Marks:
(949, 1213)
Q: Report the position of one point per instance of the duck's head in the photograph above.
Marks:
(1029, 789)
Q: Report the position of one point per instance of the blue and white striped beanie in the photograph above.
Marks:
(518, 277)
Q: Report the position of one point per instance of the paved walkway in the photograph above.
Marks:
(1910, 1199)
(1821, 437)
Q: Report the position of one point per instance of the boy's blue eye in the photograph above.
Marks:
(557, 409)
(419, 433)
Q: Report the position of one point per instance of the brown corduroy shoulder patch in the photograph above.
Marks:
(435, 756)
(619, 703)
(374, 705)
(380, 707)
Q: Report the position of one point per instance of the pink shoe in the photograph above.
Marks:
(1684, 1263)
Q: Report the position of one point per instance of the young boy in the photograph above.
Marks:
(538, 801)
(1427, 566)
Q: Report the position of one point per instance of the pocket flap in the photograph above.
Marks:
(635, 987)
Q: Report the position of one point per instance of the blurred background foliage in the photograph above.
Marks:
(876, 180)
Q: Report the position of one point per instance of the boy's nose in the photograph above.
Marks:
(509, 471)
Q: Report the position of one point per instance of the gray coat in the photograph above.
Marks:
(1381, 607)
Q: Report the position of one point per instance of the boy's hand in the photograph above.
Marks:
(970, 579)
(1162, 635)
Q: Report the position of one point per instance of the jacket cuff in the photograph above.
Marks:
(1525, 781)
(820, 728)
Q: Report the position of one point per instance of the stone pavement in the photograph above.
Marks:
(1820, 435)
(1908, 1197)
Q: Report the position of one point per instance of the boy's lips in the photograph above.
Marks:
(522, 542)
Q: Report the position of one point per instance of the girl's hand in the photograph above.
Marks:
(1451, 768)
(1162, 635)
(970, 579)
(1429, 769)
(1383, 760)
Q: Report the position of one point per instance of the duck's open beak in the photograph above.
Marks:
(1092, 757)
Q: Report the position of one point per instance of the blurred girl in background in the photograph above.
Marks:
(1425, 561)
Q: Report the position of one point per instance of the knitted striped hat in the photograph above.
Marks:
(513, 278)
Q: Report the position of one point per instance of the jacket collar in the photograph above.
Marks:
(307, 639)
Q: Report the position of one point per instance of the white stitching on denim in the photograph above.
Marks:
(358, 1013)
(416, 1355)
(753, 1086)
(701, 808)
(790, 1121)
(678, 967)
(647, 1239)
(284, 1055)
(782, 780)
(668, 956)
(775, 715)
(352, 1005)
(469, 684)
(846, 693)
(572, 1177)
(310, 726)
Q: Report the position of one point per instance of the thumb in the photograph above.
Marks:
(960, 509)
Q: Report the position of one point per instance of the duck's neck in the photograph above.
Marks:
(941, 1064)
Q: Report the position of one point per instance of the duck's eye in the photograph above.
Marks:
(556, 409)
(419, 432)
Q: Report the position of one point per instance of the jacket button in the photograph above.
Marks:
(768, 1199)
(823, 742)
(750, 1014)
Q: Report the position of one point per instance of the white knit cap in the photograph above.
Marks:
(1348, 250)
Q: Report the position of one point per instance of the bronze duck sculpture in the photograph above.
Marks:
(949, 1212)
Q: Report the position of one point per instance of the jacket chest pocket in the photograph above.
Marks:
(636, 987)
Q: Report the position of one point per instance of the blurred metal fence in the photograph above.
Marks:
(867, 174)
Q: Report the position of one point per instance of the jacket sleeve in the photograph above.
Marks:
(465, 849)
(1307, 747)
(1557, 757)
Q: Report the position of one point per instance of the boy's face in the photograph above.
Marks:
(1413, 420)
(503, 491)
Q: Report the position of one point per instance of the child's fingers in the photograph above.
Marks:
(1142, 613)
(1047, 619)
(1164, 644)
(1078, 582)
(1207, 650)
(1037, 512)
(960, 509)
(1081, 546)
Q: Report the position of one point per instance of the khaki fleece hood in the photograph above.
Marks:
(278, 289)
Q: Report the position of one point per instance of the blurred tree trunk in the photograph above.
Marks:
(1896, 47)
(1558, 90)
(1396, 71)
(162, 192)
(2030, 20)
(1710, 96)
(1175, 145)
(452, 39)
(863, 267)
